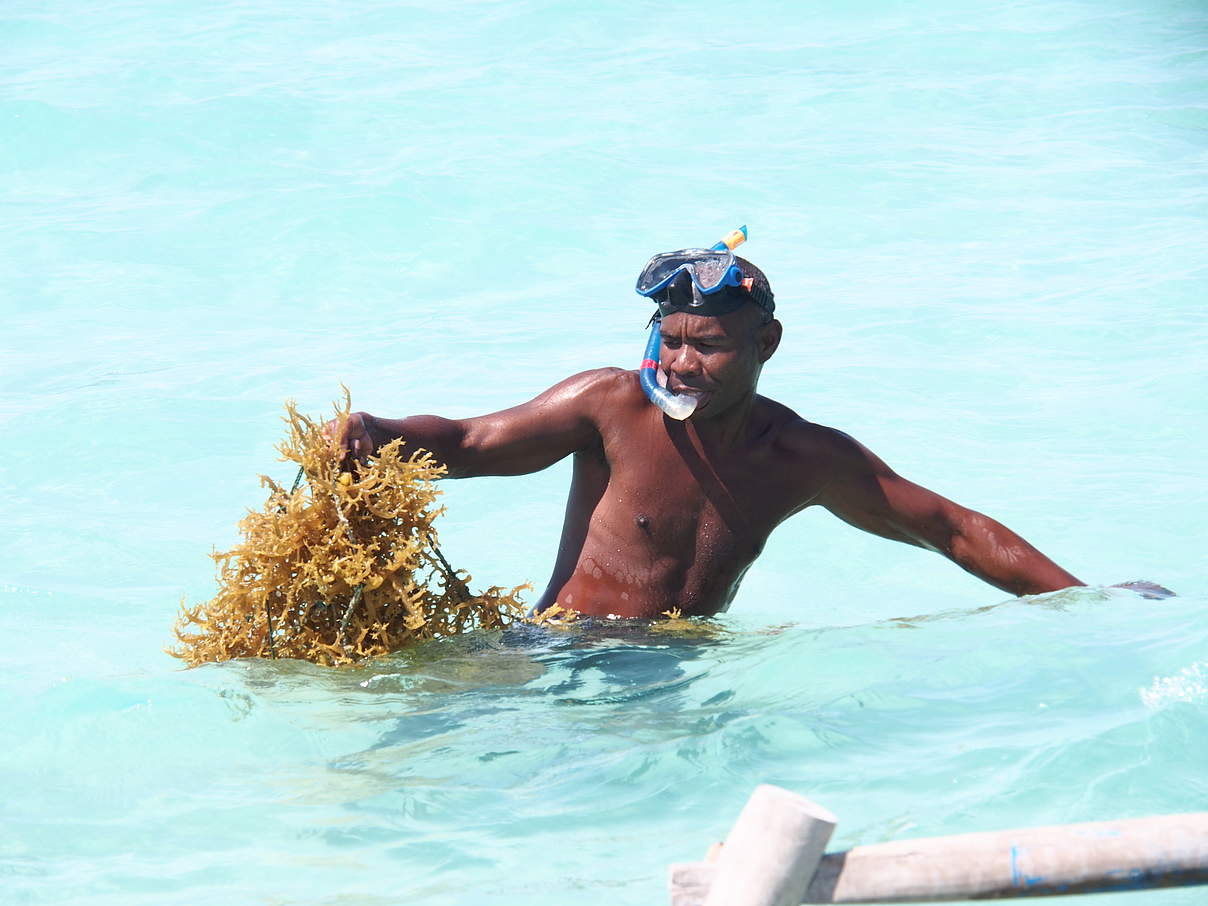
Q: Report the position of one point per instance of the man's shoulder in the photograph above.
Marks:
(598, 394)
(611, 385)
(828, 453)
(608, 377)
(809, 442)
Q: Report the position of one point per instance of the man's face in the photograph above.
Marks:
(716, 359)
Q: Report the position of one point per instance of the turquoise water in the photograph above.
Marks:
(985, 224)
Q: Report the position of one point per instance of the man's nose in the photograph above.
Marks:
(684, 361)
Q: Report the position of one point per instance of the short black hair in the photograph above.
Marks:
(761, 289)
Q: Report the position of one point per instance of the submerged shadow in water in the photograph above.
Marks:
(593, 662)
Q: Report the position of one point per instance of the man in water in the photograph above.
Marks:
(666, 514)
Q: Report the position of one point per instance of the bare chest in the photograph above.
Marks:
(679, 501)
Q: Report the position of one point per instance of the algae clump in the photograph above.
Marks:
(342, 567)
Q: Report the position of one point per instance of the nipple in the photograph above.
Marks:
(642, 520)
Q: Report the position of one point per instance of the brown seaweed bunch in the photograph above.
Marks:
(342, 568)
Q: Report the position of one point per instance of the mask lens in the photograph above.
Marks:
(706, 267)
(709, 272)
(659, 271)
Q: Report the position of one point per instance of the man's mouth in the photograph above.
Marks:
(701, 396)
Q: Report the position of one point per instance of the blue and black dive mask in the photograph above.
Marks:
(702, 281)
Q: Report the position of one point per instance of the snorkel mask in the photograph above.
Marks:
(693, 281)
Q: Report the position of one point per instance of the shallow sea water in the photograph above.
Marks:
(985, 224)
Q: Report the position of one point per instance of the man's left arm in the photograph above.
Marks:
(863, 491)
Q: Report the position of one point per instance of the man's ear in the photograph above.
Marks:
(769, 339)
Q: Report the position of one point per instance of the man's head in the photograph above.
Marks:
(717, 357)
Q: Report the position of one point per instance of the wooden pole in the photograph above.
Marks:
(1130, 854)
(772, 851)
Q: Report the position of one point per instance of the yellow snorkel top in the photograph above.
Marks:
(732, 239)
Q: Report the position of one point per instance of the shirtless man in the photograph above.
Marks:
(667, 514)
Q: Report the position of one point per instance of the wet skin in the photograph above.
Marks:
(665, 514)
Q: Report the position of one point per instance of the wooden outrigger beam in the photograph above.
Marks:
(773, 858)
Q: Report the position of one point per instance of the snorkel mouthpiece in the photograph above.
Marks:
(674, 405)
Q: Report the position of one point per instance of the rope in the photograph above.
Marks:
(356, 599)
(268, 613)
(461, 586)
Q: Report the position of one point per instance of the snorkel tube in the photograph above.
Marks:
(673, 405)
(678, 407)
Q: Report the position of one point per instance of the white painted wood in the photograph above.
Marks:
(690, 882)
(1134, 854)
(772, 851)
(1130, 854)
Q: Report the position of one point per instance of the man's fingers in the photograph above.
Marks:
(1146, 589)
(331, 430)
(354, 438)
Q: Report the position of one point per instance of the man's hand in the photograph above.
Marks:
(1146, 589)
(359, 439)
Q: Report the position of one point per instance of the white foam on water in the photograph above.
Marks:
(1188, 685)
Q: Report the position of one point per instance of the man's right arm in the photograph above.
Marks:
(525, 438)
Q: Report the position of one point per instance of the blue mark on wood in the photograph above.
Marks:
(1018, 878)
